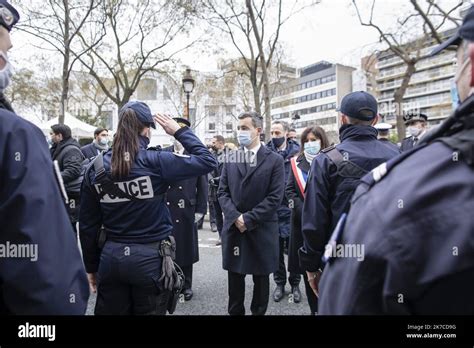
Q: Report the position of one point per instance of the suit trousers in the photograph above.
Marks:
(261, 293)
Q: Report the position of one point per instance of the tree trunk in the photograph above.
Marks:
(398, 99)
(263, 66)
(66, 62)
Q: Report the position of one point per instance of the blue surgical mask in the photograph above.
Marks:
(245, 138)
(312, 147)
(104, 141)
(455, 95)
(6, 73)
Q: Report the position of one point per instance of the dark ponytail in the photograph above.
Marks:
(126, 144)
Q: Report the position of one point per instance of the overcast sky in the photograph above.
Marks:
(329, 31)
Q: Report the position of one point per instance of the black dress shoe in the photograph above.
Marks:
(295, 290)
(213, 228)
(279, 293)
(188, 294)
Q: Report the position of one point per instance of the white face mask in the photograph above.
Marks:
(103, 141)
(414, 131)
(6, 73)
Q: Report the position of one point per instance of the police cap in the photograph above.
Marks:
(414, 117)
(142, 111)
(9, 16)
(182, 122)
(383, 127)
(359, 105)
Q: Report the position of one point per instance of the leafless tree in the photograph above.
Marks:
(57, 23)
(431, 18)
(254, 30)
(137, 38)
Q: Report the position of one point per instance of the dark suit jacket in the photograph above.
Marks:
(256, 192)
(89, 150)
(407, 144)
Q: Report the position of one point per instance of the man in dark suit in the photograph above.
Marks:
(187, 202)
(416, 127)
(250, 192)
(100, 143)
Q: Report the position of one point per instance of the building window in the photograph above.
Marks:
(229, 126)
(211, 126)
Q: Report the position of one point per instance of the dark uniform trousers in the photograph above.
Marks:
(219, 217)
(261, 293)
(280, 275)
(188, 276)
(128, 280)
(73, 209)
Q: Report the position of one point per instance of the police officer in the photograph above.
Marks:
(335, 173)
(286, 148)
(48, 278)
(187, 202)
(414, 216)
(126, 273)
(220, 151)
(383, 134)
(416, 127)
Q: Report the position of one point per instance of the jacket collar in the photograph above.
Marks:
(349, 131)
(144, 142)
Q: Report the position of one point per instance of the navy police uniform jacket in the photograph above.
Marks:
(328, 194)
(414, 217)
(33, 213)
(390, 144)
(407, 144)
(256, 192)
(147, 220)
(185, 198)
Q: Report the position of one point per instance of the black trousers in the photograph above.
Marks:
(73, 209)
(312, 299)
(188, 277)
(212, 212)
(280, 275)
(128, 280)
(219, 217)
(261, 293)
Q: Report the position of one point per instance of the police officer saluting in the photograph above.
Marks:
(127, 273)
(335, 174)
(187, 201)
(414, 216)
(49, 279)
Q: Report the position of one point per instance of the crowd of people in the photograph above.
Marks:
(136, 209)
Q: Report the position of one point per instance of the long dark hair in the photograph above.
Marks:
(318, 132)
(126, 144)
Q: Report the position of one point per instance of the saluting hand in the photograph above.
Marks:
(169, 125)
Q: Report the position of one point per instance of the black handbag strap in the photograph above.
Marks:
(107, 184)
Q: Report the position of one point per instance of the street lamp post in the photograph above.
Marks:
(188, 86)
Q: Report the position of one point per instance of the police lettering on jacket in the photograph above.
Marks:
(140, 188)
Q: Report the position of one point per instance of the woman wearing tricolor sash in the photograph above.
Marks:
(313, 139)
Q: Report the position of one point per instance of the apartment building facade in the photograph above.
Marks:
(312, 97)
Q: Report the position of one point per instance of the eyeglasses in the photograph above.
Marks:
(6, 17)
